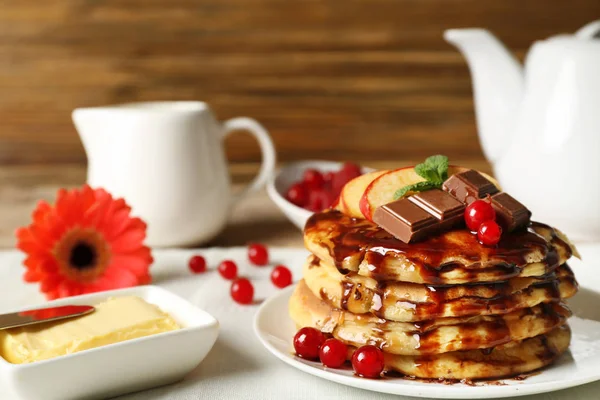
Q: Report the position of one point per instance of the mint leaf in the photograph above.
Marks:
(415, 187)
(426, 172)
(398, 194)
(434, 170)
(439, 164)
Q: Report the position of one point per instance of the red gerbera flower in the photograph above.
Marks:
(87, 242)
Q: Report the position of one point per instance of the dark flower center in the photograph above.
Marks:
(82, 256)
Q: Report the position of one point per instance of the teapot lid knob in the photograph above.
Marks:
(589, 31)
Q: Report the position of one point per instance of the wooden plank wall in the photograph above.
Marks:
(345, 79)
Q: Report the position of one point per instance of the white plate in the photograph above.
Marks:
(118, 368)
(580, 365)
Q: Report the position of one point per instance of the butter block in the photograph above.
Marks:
(115, 320)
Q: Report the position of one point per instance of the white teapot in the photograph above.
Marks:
(539, 125)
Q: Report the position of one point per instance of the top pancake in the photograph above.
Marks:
(453, 257)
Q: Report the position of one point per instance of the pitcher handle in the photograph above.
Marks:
(266, 147)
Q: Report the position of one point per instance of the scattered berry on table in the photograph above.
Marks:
(228, 269)
(197, 264)
(258, 254)
(281, 276)
(242, 291)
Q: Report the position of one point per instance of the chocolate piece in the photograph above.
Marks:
(414, 218)
(510, 214)
(405, 220)
(439, 203)
(469, 186)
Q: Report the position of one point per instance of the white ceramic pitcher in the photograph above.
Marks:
(167, 160)
(539, 125)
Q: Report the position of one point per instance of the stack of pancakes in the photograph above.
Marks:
(446, 307)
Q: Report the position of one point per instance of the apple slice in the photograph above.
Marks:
(338, 204)
(381, 190)
(352, 191)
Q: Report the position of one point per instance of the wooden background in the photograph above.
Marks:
(347, 79)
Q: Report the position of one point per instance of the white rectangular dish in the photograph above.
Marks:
(122, 367)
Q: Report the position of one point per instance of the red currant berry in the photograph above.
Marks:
(489, 233)
(315, 202)
(333, 353)
(348, 172)
(328, 178)
(281, 276)
(258, 254)
(297, 194)
(352, 170)
(197, 264)
(242, 291)
(307, 343)
(320, 199)
(367, 361)
(477, 213)
(228, 269)
(313, 178)
(329, 198)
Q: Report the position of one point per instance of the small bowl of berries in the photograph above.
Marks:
(302, 188)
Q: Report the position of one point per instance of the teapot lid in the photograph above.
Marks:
(586, 37)
(589, 31)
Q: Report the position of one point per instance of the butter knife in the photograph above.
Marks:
(42, 315)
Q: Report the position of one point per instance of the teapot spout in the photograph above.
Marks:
(497, 86)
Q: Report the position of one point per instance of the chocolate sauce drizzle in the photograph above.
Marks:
(503, 298)
(491, 333)
(314, 262)
(351, 237)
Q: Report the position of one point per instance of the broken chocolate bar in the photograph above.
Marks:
(510, 214)
(439, 204)
(469, 186)
(416, 217)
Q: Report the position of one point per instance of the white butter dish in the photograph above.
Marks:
(122, 367)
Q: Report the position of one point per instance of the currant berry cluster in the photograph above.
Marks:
(242, 290)
(311, 344)
(480, 218)
(317, 190)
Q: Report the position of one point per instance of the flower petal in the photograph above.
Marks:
(137, 265)
(115, 278)
(31, 276)
(91, 213)
(49, 283)
(128, 241)
(120, 222)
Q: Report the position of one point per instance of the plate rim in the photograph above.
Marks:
(457, 391)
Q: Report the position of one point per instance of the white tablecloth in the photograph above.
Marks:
(238, 367)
